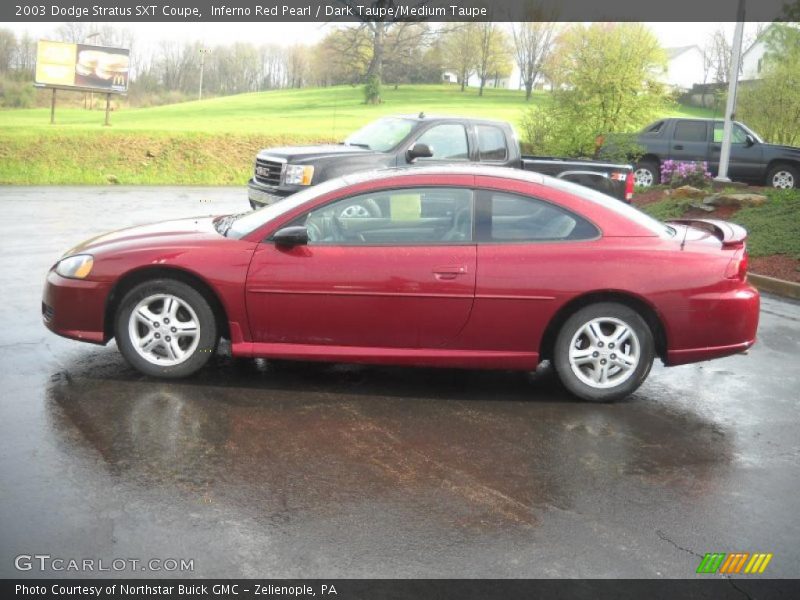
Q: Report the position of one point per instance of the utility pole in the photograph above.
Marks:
(203, 52)
(730, 107)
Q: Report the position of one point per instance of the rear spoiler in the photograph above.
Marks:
(730, 234)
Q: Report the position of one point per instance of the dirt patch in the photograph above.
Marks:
(648, 197)
(779, 266)
(723, 213)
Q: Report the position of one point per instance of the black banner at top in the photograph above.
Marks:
(394, 10)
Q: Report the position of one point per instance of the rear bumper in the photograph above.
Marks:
(75, 308)
(263, 195)
(720, 325)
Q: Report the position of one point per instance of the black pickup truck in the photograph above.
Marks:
(752, 160)
(407, 140)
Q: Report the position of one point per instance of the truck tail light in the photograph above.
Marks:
(629, 187)
(628, 179)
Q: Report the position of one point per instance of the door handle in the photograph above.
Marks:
(678, 147)
(450, 272)
(715, 148)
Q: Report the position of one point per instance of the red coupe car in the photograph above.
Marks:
(474, 267)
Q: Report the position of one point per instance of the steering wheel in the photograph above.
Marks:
(314, 232)
(362, 209)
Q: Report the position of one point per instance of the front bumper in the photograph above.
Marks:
(75, 308)
(263, 195)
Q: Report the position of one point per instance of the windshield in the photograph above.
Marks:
(381, 135)
(249, 222)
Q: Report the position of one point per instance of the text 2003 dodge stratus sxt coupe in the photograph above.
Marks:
(455, 267)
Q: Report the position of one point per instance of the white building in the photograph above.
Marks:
(753, 57)
(684, 67)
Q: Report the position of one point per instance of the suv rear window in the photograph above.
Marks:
(691, 131)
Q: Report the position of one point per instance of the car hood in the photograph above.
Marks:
(303, 154)
(165, 233)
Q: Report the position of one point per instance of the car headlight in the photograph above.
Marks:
(75, 267)
(298, 175)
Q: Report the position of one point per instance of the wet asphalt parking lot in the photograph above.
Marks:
(278, 469)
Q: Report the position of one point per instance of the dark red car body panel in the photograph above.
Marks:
(484, 305)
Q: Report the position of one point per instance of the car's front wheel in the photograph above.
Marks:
(165, 328)
(604, 352)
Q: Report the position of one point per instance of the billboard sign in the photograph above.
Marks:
(82, 66)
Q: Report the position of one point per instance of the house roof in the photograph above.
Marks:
(760, 37)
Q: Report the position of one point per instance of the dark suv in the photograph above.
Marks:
(752, 160)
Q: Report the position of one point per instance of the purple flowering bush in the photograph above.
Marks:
(676, 173)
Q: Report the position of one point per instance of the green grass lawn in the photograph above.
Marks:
(213, 141)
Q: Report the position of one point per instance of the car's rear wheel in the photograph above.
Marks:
(646, 174)
(783, 177)
(604, 352)
(165, 328)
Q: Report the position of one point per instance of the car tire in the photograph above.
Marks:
(604, 352)
(783, 176)
(646, 174)
(165, 328)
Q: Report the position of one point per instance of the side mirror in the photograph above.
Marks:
(749, 140)
(418, 150)
(291, 236)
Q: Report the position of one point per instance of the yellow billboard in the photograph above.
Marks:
(61, 64)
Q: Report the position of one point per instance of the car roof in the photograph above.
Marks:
(454, 169)
(426, 117)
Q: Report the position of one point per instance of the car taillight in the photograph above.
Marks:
(737, 267)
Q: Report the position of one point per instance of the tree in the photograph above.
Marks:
(719, 51)
(771, 105)
(493, 52)
(610, 85)
(378, 28)
(461, 50)
(342, 56)
(532, 45)
(8, 47)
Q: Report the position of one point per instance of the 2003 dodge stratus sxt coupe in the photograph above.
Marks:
(455, 267)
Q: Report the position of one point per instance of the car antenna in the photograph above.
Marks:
(421, 115)
(685, 231)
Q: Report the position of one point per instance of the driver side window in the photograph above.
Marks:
(410, 216)
(448, 142)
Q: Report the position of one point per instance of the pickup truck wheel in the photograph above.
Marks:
(784, 177)
(646, 174)
(604, 352)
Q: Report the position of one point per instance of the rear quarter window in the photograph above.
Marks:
(491, 143)
(514, 218)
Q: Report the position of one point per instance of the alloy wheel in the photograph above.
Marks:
(783, 180)
(643, 177)
(164, 329)
(604, 352)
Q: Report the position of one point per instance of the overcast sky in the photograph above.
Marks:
(669, 34)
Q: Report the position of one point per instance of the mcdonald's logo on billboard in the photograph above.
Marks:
(734, 563)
